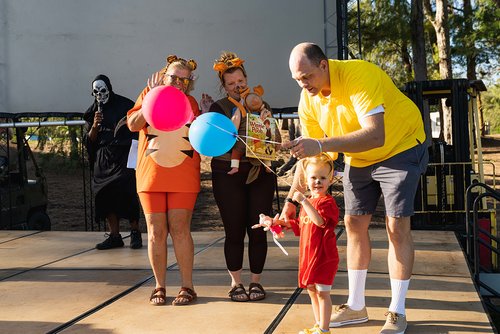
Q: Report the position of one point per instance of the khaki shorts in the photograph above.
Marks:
(396, 178)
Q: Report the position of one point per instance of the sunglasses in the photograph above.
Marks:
(175, 78)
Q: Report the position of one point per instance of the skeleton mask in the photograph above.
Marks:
(100, 91)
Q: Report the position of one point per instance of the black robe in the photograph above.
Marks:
(113, 184)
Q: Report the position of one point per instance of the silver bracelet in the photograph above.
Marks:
(320, 147)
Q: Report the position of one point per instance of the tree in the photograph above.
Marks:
(404, 35)
(469, 43)
(439, 21)
(475, 41)
(469, 39)
(484, 50)
(476, 37)
(386, 37)
(61, 140)
(418, 40)
(491, 106)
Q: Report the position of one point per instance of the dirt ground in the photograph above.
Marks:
(69, 200)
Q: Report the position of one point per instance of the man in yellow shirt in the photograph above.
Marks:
(354, 107)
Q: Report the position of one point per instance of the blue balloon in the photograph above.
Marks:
(212, 134)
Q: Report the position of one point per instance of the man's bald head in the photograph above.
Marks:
(307, 51)
(309, 67)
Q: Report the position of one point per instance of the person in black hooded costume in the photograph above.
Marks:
(108, 141)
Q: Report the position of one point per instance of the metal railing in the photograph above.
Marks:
(445, 186)
(480, 239)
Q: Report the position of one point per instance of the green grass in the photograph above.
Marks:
(491, 108)
(58, 161)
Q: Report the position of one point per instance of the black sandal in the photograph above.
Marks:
(236, 292)
(256, 289)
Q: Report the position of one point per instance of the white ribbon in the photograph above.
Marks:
(279, 245)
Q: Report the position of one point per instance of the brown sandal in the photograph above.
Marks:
(256, 289)
(158, 294)
(236, 292)
(184, 298)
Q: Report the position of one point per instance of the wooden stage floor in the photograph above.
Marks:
(56, 282)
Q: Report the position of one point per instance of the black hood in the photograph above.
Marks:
(103, 78)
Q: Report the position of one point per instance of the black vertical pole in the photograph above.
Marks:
(342, 29)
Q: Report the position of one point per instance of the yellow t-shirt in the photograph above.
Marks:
(358, 87)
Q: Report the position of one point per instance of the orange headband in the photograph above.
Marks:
(223, 66)
(173, 58)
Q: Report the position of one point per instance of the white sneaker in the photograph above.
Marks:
(394, 324)
(343, 315)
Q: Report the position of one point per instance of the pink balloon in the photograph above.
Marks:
(166, 108)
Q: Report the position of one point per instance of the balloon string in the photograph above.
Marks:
(237, 135)
(267, 141)
(262, 162)
(248, 147)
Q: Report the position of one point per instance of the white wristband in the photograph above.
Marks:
(235, 163)
(320, 147)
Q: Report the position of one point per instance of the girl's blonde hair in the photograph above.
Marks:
(319, 160)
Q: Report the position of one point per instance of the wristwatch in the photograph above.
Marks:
(289, 200)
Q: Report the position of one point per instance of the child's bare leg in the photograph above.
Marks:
(325, 308)
(311, 290)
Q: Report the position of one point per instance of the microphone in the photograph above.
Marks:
(99, 110)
